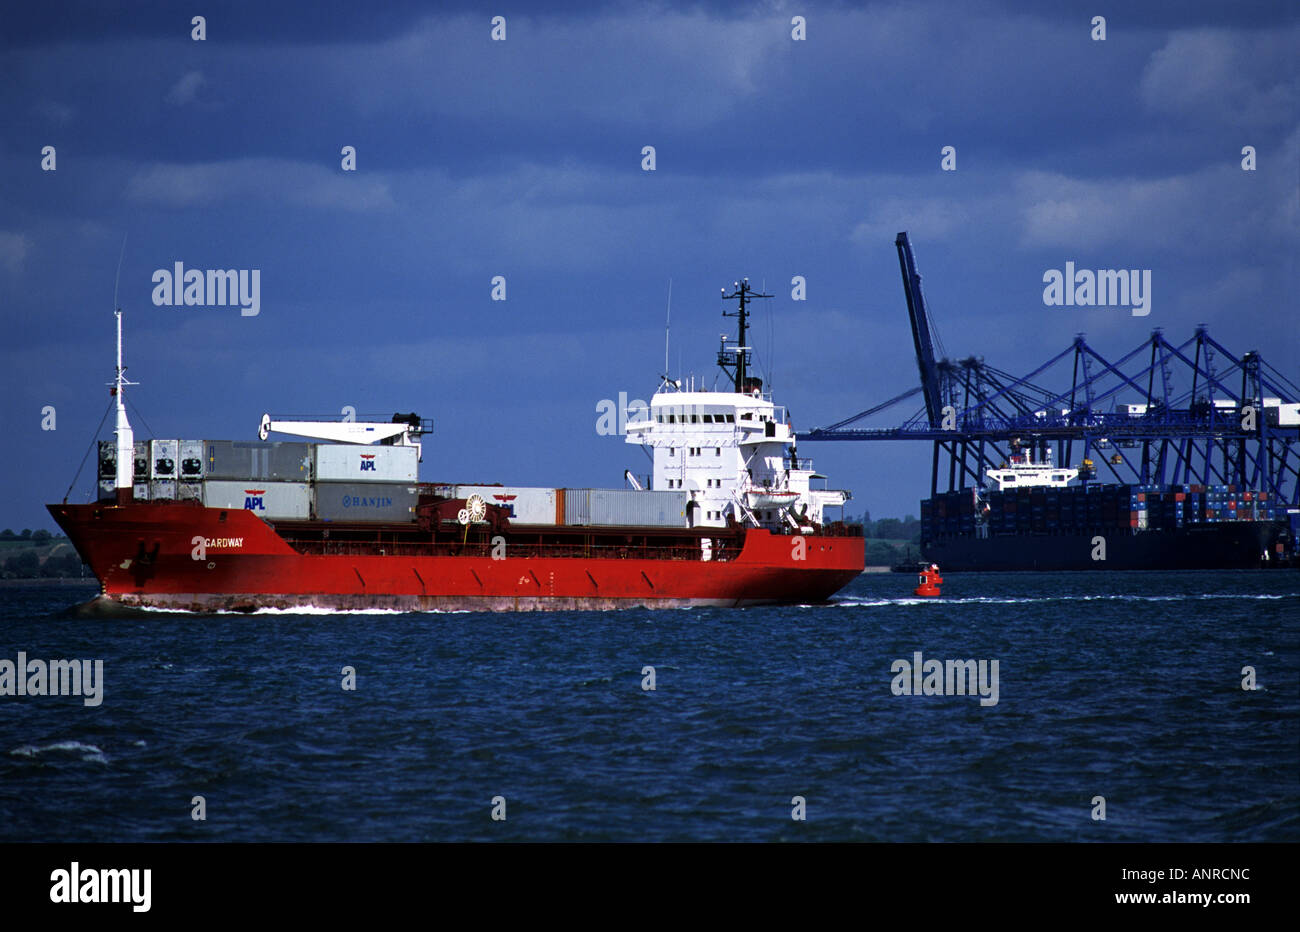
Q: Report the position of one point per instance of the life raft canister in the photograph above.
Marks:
(929, 580)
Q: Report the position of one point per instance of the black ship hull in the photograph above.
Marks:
(1230, 545)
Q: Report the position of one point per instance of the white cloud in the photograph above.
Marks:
(185, 90)
(14, 248)
(1241, 78)
(302, 184)
(55, 112)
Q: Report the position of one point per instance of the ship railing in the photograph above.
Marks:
(721, 552)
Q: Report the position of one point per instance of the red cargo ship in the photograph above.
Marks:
(730, 518)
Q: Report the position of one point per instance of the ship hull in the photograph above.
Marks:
(1230, 545)
(185, 557)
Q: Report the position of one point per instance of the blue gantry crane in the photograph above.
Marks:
(1193, 412)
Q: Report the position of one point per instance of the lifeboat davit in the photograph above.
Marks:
(929, 581)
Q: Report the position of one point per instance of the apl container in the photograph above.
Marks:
(625, 508)
(273, 500)
(366, 501)
(526, 505)
(355, 462)
(249, 459)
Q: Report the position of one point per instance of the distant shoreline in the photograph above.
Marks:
(89, 581)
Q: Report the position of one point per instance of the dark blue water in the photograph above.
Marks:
(1122, 685)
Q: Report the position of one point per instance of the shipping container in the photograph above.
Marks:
(107, 489)
(366, 501)
(140, 491)
(163, 456)
(272, 500)
(108, 459)
(526, 505)
(191, 460)
(250, 459)
(354, 462)
(161, 490)
(141, 468)
(189, 491)
(625, 508)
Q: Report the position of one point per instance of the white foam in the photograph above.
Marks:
(88, 752)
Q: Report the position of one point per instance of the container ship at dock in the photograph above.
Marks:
(729, 517)
(1034, 516)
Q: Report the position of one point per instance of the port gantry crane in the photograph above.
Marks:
(1162, 413)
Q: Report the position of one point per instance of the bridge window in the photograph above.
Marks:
(731, 419)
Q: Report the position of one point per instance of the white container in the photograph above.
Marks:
(190, 465)
(525, 504)
(273, 500)
(355, 462)
(164, 459)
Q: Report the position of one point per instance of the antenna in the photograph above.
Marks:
(744, 294)
(118, 279)
(668, 325)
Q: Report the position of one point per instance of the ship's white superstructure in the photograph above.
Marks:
(735, 455)
(1022, 472)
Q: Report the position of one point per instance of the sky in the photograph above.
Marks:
(774, 157)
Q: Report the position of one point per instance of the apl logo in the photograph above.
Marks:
(367, 462)
(507, 501)
(253, 499)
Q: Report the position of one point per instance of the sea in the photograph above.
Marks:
(1129, 707)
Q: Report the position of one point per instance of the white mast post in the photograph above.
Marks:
(125, 436)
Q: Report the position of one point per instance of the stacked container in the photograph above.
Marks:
(364, 483)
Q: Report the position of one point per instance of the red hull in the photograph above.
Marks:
(144, 554)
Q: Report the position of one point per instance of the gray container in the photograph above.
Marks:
(625, 508)
(190, 465)
(164, 459)
(189, 491)
(161, 490)
(249, 459)
(140, 491)
(108, 460)
(366, 501)
(526, 505)
(272, 500)
(355, 462)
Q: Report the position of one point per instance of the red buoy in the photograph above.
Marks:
(929, 580)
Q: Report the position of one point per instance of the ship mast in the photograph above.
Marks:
(737, 367)
(125, 436)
